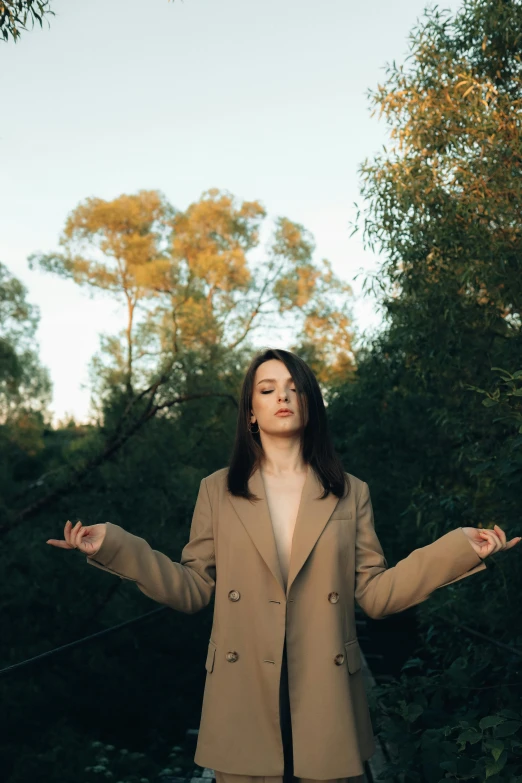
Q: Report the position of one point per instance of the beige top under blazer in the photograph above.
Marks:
(336, 560)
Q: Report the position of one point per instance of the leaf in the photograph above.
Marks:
(469, 735)
(508, 728)
(507, 713)
(495, 746)
(450, 765)
(489, 721)
(412, 663)
(497, 766)
(414, 711)
(501, 370)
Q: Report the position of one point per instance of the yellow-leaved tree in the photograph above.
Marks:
(193, 299)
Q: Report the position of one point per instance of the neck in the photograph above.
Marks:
(283, 463)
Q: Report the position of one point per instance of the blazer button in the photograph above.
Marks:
(339, 659)
(333, 597)
(234, 595)
(232, 656)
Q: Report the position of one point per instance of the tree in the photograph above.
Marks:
(193, 300)
(15, 13)
(443, 198)
(25, 386)
(442, 207)
(188, 276)
(128, 255)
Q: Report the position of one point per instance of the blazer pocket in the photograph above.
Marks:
(341, 515)
(211, 654)
(353, 656)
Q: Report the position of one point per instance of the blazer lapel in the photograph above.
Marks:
(312, 516)
(255, 516)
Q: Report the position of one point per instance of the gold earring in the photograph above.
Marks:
(253, 432)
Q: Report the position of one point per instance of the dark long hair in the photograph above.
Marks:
(316, 442)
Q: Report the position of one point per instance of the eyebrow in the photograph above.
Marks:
(272, 380)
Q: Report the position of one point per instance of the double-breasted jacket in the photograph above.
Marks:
(336, 561)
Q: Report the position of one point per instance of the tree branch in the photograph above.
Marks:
(109, 451)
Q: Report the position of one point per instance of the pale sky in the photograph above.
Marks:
(264, 99)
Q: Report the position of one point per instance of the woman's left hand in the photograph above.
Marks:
(485, 541)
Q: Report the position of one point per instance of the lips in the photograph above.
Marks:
(284, 413)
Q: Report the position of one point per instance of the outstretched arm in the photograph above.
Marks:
(381, 591)
(186, 586)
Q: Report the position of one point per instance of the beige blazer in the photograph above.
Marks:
(336, 560)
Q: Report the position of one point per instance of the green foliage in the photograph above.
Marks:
(95, 760)
(144, 686)
(122, 766)
(25, 390)
(457, 720)
(430, 419)
(25, 387)
(140, 687)
(15, 13)
(472, 748)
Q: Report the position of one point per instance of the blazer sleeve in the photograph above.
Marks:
(381, 591)
(186, 586)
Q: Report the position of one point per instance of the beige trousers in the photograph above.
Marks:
(286, 733)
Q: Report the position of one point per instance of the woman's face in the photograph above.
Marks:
(274, 389)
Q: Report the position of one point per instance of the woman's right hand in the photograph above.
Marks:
(87, 539)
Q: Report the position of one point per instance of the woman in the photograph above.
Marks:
(285, 541)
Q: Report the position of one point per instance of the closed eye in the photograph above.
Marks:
(271, 390)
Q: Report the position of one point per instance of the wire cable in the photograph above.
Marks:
(85, 639)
